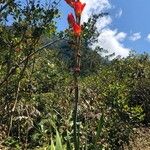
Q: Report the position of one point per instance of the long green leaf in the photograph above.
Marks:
(52, 145)
(59, 145)
(99, 130)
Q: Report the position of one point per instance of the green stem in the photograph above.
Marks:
(76, 145)
(76, 84)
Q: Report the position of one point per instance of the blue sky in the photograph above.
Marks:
(134, 19)
(129, 20)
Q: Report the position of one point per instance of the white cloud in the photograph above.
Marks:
(148, 37)
(135, 36)
(110, 40)
(120, 36)
(94, 7)
(103, 22)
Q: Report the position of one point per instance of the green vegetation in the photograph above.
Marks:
(37, 88)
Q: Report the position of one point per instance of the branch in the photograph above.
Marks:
(13, 109)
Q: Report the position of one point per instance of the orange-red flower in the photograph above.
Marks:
(76, 29)
(70, 2)
(78, 7)
(71, 19)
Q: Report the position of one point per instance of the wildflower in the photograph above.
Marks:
(76, 29)
(78, 7)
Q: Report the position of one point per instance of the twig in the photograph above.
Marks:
(13, 109)
(2, 8)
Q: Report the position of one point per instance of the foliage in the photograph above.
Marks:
(36, 87)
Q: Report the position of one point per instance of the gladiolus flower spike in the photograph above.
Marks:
(78, 8)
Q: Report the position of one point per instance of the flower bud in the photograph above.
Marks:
(71, 19)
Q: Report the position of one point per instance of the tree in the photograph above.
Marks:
(22, 26)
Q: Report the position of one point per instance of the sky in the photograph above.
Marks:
(126, 28)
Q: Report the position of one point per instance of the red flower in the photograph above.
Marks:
(71, 19)
(78, 7)
(76, 29)
(70, 2)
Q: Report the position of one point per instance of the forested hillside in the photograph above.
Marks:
(37, 86)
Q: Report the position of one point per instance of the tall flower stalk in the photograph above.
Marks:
(75, 24)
